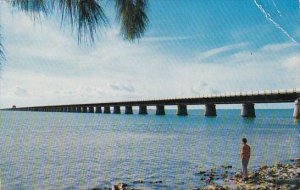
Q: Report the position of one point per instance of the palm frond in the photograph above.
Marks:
(33, 7)
(85, 15)
(133, 18)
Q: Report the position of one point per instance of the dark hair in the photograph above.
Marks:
(244, 140)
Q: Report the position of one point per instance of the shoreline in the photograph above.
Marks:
(284, 175)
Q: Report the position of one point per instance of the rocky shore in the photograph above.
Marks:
(282, 176)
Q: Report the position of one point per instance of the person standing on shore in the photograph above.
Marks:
(245, 156)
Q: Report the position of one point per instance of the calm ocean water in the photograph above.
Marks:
(81, 151)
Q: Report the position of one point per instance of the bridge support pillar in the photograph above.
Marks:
(143, 110)
(160, 110)
(65, 109)
(98, 109)
(73, 109)
(91, 109)
(182, 110)
(210, 110)
(84, 109)
(106, 109)
(78, 109)
(296, 114)
(128, 110)
(248, 110)
(117, 110)
(69, 109)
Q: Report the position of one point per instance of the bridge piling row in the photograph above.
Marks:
(247, 108)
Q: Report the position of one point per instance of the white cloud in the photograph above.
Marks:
(20, 92)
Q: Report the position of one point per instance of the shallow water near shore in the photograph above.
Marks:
(81, 151)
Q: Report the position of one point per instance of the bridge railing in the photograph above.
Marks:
(235, 94)
(250, 93)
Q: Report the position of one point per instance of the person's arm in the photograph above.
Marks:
(242, 152)
(249, 151)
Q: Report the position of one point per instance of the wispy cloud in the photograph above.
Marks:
(165, 38)
(275, 5)
(122, 87)
(216, 52)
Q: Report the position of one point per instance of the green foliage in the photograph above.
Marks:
(131, 14)
(87, 16)
(32, 6)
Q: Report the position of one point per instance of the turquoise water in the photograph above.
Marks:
(81, 151)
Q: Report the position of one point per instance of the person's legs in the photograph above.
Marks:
(244, 166)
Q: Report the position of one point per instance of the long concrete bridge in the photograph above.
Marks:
(246, 99)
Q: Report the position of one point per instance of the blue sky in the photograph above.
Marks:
(190, 48)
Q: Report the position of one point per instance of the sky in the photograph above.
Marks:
(190, 48)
